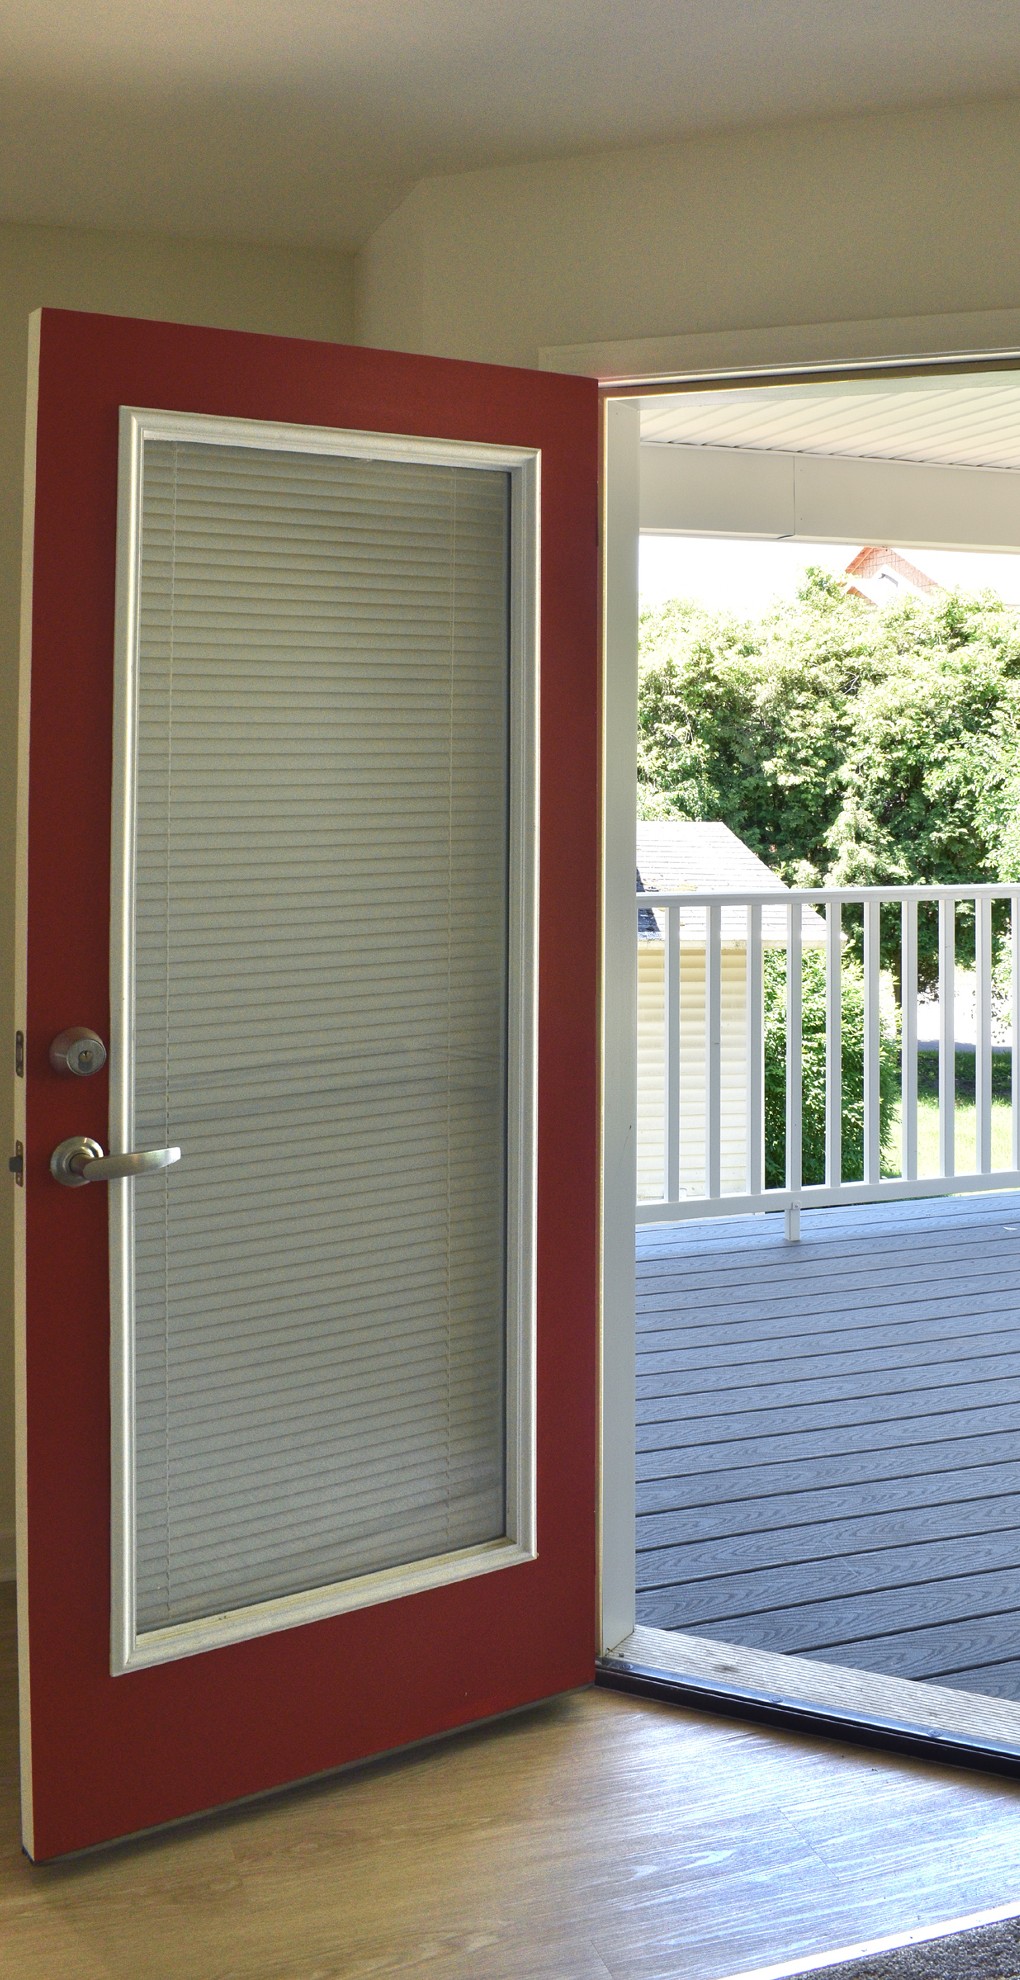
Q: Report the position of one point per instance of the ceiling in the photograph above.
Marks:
(305, 121)
(971, 420)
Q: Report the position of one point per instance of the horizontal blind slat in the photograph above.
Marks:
(322, 704)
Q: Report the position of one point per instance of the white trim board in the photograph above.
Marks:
(748, 492)
(984, 335)
(619, 1019)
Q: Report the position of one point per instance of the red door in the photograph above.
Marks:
(114, 1742)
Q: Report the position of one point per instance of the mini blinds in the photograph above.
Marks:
(320, 900)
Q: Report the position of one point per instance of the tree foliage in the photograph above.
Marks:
(846, 746)
(813, 1071)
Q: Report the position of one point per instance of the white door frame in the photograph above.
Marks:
(745, 357)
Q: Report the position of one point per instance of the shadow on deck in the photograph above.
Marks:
(828, 1450)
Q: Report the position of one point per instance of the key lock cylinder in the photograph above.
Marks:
(78, 1053)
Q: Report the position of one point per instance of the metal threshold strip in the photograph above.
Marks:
(920, 1935)
(795, 1694)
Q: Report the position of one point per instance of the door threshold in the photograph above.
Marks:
(800, 1694)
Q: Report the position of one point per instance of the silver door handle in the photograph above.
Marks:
(81, 1160)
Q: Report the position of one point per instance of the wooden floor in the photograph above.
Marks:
(596, 1838)
(829, 1437)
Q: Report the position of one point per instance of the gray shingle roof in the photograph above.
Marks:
(684, 856)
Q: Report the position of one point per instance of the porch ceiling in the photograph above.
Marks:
(971, 420)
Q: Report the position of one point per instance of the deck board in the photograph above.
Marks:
(828, 1449)
(732, 1483)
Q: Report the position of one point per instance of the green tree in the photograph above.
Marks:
(813, 1071)
(845, 746)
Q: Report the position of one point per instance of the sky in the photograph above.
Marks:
(746, 576)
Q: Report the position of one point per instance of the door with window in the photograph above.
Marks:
(308, 1075)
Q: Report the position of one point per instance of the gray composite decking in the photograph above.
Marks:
(829, 1436)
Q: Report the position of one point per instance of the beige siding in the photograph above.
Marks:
(651, 1111)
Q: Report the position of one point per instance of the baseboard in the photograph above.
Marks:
(7, 1563)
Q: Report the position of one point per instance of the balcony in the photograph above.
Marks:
(829, 1357)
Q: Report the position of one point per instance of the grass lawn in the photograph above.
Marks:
(928, 1115)
(966, 1157)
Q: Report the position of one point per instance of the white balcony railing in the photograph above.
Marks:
(704, 1060)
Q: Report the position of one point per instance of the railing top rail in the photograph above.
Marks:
(819, 896)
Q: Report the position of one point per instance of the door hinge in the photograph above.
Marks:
(19, 1055)
(16, 1164)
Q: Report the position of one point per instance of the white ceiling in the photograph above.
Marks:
(306, 120)
(971, 420)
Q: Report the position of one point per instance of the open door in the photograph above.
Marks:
(307, 1085)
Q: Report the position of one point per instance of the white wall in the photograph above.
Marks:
(893, 215)
(296, 292)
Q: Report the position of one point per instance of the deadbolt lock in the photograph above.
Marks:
(78, 1051)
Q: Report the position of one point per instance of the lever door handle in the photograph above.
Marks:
(81, 1160)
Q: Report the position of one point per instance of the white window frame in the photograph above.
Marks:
(131, 1649)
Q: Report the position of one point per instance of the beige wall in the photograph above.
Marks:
(651, 1070)
(907, 214)
(298, 292)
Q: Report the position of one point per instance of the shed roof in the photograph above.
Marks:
(681, 856)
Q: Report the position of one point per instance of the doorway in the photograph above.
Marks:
(740, 1579)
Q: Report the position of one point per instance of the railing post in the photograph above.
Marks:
(755, 1053)
(833, 1044)
(872, 1040)
(908, 1037)
(671, 999)
(983, 1034)
(947, 1038)
(713, 1045)
(794, 1065)
(1014, 1028)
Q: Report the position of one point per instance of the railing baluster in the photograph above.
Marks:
(671, 933)
(908, 1037)
(713, 1041)
(872, 1040)
(1014, 1029)
(947, 1038)
(755, 1054)
(794, 1067)
(833, 1044)
(983, 1034)
(692, 1189)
